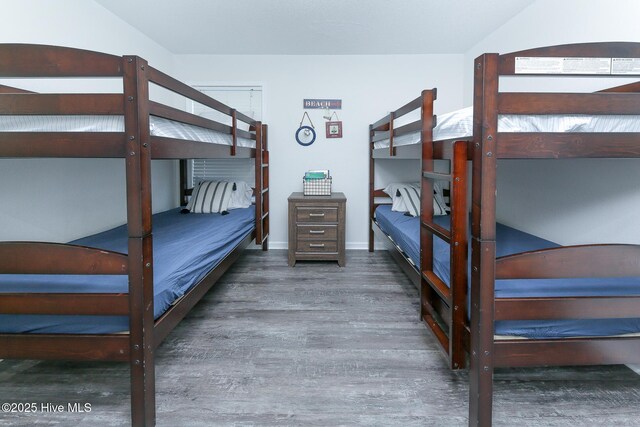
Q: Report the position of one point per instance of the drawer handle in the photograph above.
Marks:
(316, 245)
(316, 231)
(316, 214)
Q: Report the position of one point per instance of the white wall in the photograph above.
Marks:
(62, 199)
(568, 201)
(369, 86)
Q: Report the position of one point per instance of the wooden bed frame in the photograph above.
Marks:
(489, 145)
(442, 308)
(138, 148)
(486, 146)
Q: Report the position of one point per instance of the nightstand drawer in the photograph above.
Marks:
(317, 232)
(317, 246)
(316, 214)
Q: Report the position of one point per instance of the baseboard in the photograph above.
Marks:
(360, 246)
(285, 245)
(278, 245)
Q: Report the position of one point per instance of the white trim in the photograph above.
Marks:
(349, 245)
(357, 245)
(278, 245)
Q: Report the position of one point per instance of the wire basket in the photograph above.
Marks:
(316, 187)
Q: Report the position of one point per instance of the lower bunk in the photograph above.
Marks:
(404, 232)
(95, 317)
(186, 248)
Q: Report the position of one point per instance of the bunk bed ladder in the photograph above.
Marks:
(262, 186)
(442, 307)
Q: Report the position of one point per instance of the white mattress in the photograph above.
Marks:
(158, 126)
(459, 125)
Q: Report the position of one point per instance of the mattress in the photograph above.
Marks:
(158, 126)
(459, 125)
(185, 248)
(405, 231)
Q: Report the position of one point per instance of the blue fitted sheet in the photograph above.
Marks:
(185, 248)
(405, 231)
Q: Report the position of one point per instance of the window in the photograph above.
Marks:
(245, 99)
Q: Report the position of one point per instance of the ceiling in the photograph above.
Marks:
(316, 27)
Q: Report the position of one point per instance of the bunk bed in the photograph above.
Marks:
(614, 298)
(132, 285)
(531, 301)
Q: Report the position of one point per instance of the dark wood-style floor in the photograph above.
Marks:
(315, 345)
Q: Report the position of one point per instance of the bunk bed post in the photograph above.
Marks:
(140, 254)
(392, 149)
(426, 200)
(264, 156)
(458, 254)
(184, 185)
(483, 243)
(234, 132)
(258, 182)
(372, 165)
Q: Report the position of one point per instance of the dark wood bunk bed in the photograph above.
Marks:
(442, 308)
(435, 311)
(607, 261)
(138, 147)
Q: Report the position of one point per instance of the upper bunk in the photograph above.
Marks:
(620, 107)
(534, 124)
(101, 125)
(388, 135)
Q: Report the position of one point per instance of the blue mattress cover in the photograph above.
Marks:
(405, 231)
(185, 248)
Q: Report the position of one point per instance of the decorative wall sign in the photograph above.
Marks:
(334, 129)
(314, 104)
(306, 135)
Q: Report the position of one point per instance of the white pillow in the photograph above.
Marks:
(439, 205)
(406, 198)
(410, 195)
(210, 197)
(241, 196)
(397, 202)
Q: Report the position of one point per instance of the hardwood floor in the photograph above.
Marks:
(315, 345)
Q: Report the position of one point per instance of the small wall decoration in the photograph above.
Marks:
(334, 127)
(321, 104)
(306, 135)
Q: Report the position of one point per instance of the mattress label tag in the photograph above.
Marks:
(556, 65)
(623, 66)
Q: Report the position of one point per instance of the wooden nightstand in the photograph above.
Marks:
(317, 227)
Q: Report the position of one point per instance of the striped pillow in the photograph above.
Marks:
(410, 195)
(440, 205)
(210, 197)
